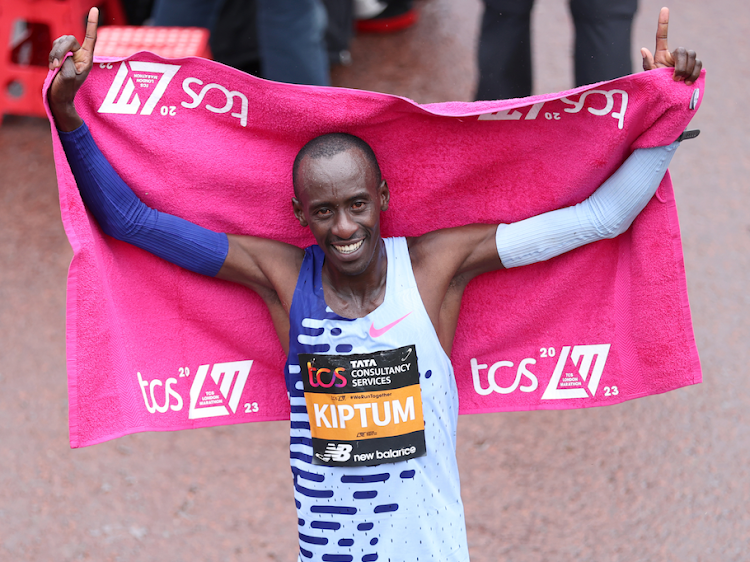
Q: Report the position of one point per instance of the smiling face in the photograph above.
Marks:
(340, 199)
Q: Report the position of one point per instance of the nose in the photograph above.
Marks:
(344, 226)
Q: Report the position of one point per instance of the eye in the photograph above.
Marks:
(359, 206)
(323, 213)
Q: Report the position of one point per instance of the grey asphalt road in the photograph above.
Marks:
(663, 478)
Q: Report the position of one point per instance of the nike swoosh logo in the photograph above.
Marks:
(377, 332)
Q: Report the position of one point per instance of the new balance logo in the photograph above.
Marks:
(122, 97)
(205, 402)
(335, 452)
(567, 385)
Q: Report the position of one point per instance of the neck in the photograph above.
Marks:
(355, 296)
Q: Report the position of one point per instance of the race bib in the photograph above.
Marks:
(364, 409)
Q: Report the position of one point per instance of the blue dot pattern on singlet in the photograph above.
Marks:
(404, 511)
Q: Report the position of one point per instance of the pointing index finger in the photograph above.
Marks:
(661, 31)
(91, 25)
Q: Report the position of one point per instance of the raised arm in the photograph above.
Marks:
(445, 261)
(474, 249)
(607, 213)
(263, 265)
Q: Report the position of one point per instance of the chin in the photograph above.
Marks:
(352, 268)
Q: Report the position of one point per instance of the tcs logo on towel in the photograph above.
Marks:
(149, 80)
(581, 381)
(211, 394)
(600, 106)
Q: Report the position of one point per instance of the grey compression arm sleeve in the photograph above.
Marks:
(607, 213)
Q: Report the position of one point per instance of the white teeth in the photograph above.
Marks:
(350, 248)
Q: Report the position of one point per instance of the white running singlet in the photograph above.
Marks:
(350, 508)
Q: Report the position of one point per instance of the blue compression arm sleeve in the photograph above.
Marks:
(122, 215)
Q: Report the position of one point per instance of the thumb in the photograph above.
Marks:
(648, 59)
(81, 61)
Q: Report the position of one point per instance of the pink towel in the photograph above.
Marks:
(154, 347)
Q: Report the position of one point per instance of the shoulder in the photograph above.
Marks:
(449, 249)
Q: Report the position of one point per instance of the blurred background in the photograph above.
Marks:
(660, 478)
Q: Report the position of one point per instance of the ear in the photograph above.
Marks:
(298, 212)
(385, 195)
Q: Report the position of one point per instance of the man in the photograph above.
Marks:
(367, 323)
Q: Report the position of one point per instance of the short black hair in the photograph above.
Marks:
(331, 144)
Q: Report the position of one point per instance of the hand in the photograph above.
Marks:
(686, 66)
(73, 73)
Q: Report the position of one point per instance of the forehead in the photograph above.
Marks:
(346, 172)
